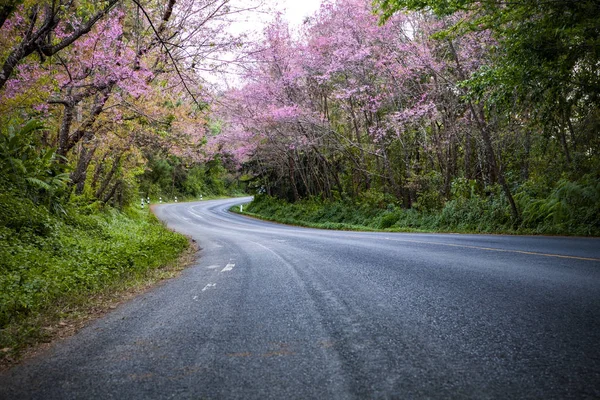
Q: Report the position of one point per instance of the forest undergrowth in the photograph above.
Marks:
(52, 265)
(569, 208)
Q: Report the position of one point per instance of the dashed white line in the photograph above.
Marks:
(228, 267)
(191, 211)
(210, 285)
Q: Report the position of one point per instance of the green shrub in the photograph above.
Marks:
(388, 220)
(81, 253)
(570, 208)
(567, 208)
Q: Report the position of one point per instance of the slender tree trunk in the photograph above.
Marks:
(79, 175)
(85, 127)
(389, 174)
(292, 177)
(65, 129)
(367, 179)
(525, 161)
(479, 117)
(109, 195)
(491, 156)
(450, 166)
(563, 142)
(468, 155)
(108, 178)
(98, 171)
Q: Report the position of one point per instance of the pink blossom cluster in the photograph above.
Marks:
(347, 75)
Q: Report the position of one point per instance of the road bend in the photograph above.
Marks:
(270, 311)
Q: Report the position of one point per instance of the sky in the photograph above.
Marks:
(296, 10)
(293, 10)
(252, 23)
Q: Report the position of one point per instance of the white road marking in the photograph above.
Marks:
(195, 298)
(210, 285)
(191, 211)
(213, 267)
(228, 267)
(533, 253)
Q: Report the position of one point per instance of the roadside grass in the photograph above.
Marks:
(570, 209)
(58, 272)
(318, 225)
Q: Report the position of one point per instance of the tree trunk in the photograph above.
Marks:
(109, 195)
(106, 182)
(98, 171)
(79, 175)
(479, 117)
(491, 156)
(468, 155)
(365, 173)
(65, 128)
(525, 161)
(563, 142)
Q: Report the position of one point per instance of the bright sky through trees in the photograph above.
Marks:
(296, 11)
(251, 24)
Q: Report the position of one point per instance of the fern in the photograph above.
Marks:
(38, 183)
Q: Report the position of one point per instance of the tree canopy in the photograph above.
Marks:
(422, 102)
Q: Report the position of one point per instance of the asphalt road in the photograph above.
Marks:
(277, 312)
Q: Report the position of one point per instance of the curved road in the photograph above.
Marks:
(277, 312)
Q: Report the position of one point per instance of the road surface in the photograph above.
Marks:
(277, 312)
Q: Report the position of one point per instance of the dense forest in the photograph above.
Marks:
(443, 115)
(452, 115)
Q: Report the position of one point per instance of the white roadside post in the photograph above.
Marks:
(142, 202)
(160, 200)
(241, 208)
(175, 199)
(200, 197)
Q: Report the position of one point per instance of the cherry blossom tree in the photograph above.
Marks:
(111, 78)
(355, 105)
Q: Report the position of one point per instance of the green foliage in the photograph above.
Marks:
(170, 177)
(44, 258)
(439, 7)
(547, 52)
(27, 166)
(22, 216)
(55, 246)
(429, 197)
(571, 208)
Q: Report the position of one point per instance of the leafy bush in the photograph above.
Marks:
(171, 177)
(44, 257)
(388, 220)
(28, 168)
(571, 207)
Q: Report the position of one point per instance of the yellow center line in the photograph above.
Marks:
(534, 253)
